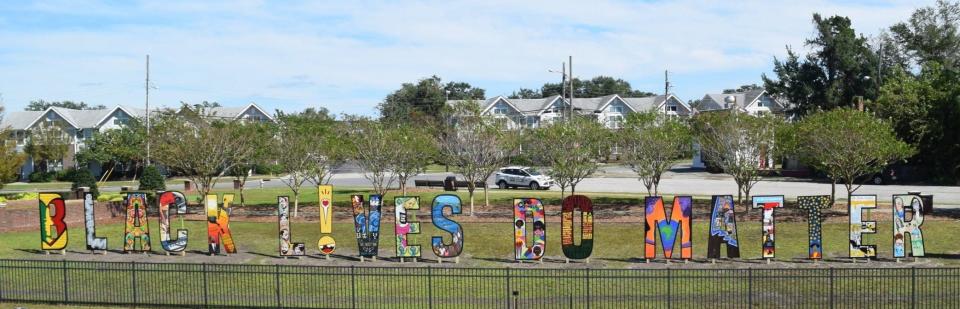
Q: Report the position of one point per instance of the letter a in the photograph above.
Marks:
(218, 224)
(723, 228)
(137, 229)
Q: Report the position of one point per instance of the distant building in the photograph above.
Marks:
(753, 102)
(609, 110)
(81, 125)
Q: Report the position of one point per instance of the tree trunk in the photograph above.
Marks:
(486, 197)
(833, 191)
(573, 189)
(470, 189)
(296, 203)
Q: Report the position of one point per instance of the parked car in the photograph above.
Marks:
(519, 176)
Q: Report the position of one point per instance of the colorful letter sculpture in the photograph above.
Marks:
(177, 201)
(585, 248)
(769, 203)
(287, 246)
(521, 209)
(858, 205)
(901, 227)
(89, 218)
(137, 229)
(723, 228)
(326, 243)
(405, 216)
(367, 225)
(53, 229)
(678, 224)
(218, 224)
(813, 205)
(441, 249)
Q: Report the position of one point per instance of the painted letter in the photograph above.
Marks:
(287, 246)
(723, 228)
(902, 227)
(93, 242)
(405, 216)
(179, 203)
(441, 249)
(813, 205)
(137, 229)
(523, 207)
(53, 229)
(858, 205)
(769, 204)
(679, 223)
(367, 225)
(585, 206)
(218, 224)
(326, 244)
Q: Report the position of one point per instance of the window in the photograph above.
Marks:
(672, 108)
(617, 109)
(500, 110)
(614, 122)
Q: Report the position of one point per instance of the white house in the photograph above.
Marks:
(609, 110)
(753, 102)
(81, 125)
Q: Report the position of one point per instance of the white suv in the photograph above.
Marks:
(518, 176)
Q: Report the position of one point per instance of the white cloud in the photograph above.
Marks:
(347, 56)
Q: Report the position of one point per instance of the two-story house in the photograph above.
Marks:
(609, 110)
(753, 102)
(81, 125)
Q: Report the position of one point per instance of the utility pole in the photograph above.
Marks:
(571, 86)
(146, 87)
(666, 88)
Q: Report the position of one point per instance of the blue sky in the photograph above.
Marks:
(346, 56)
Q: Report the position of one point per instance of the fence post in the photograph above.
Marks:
(353, 287)
(588, 288)
(133, 276)
(206, 302)
(749, 287)
(66, 294)
(430, 286)
(831, 287)
(913, 287)
(508, 293)
(276, 275)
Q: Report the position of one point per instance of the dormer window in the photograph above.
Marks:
(617, 109)
(672, 108)
(500, 110)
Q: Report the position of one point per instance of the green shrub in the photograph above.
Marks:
(152, 180)
(83, 178)
(38, 176)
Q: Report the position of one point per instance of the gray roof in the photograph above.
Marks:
(535, 106)
(22, 120)
(713, 101)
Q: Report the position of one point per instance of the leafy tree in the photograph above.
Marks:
(10, 159)
(474, 145)
(371, 144)
(425, 99)
(525, 93)
(650, 143)
(832, 75)
(736, 142)
(41, 105)
(114, 147)
(596, 87)
(846, 144)
(261, 138)
(201, 148)
(416, 147)
(306, 147)
(49, 141)
(743, 88)
(571, 150)
(152, 180)
(932, 34)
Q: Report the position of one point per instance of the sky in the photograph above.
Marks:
(347, 56)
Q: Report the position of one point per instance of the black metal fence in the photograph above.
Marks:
(291, 286)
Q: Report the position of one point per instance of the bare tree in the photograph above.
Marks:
(736, 142)
(650, 143)
(571, 149)
(200, 147)
(474, 145)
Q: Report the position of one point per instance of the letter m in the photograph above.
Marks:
(678, 225)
